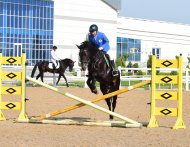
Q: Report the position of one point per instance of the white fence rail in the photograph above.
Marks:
(78, 75)
(186, 78)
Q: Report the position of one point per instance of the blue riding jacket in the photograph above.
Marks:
(100, 40)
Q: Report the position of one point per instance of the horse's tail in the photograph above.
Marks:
(34, 70)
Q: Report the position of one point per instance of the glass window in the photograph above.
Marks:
(12, 9)
(8, 21)
(129, 46)
(12, 21)
(8, 9)
(124, 39)
(118, 39)
(1, 8)
(1, 21)
(156, 52)
(16, 9)
(131, 40)
(45, 13)
(41, 12)
(20, 22)
(124, 48)
(20, 10)
(24, 22)
(16, 22)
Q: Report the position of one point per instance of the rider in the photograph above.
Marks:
(102, 42)
(54, 57)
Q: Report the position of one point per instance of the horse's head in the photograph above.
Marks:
(84, 55)
(68, 63)
(71, 65)
(86, 52)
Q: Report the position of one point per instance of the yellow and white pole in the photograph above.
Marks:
(103, 97)
(85, 102)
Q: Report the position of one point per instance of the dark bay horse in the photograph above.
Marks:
(91, 57)
(43, 66)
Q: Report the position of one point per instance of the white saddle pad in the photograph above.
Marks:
(51, 65)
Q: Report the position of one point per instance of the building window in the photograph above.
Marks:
(129, 46)
(26, 23)
(156, 52)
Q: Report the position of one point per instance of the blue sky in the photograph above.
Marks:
(177, 11)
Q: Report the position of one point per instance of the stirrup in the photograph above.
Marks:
(115, 73)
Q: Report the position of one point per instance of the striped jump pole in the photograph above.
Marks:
(135, 123)
(60, 111)
(122, 124)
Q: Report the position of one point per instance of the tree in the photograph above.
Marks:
(121, 60)
(149, 63)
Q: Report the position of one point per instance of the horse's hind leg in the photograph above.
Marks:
(58, 79)
(108, 101)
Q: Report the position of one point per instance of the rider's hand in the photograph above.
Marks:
(100, 48)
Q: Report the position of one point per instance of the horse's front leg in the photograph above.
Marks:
(65, 79)
(91, 82)
(58, 79)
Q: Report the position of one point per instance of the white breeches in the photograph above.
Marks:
(54, 62)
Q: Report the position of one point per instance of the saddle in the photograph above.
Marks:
(50, 65)
(107, 59)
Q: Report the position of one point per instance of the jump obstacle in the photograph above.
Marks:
(164, 94)
(85, 102)
(13, 90)
(21, 106)
(126, 122)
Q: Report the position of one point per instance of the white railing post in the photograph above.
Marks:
(54, 80)
(78, 73)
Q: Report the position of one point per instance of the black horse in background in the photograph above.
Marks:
(99, 70)
(43, 66)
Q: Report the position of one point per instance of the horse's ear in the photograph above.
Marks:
(77, 46)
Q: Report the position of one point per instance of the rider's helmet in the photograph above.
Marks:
(93, 28)
(54, 47)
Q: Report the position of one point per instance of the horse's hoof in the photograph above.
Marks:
(111, 118)
(95, 91)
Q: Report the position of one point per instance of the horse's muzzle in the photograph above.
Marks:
(83, 68)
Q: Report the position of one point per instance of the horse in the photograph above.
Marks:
(94, 60)
(43, 66)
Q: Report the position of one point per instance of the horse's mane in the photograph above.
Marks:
(67, 60)
(89, 45)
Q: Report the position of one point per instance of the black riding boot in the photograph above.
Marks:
(115, 72)
(54, 68)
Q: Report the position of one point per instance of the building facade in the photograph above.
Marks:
(72, 20)
(26, 25)
(36, 25)
(163, 39)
